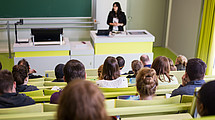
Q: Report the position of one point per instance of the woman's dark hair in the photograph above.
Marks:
(25, 63)
(19, 74)
(110, 69)
(59, 71)
(121, 62)
(136, 65)
(146, 81)
(119, 9)
(6, 81)
(172, 66)
(81, 100)
(207, 98)
(162, 67)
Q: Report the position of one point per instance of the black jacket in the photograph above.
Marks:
(9, 100)
(121, 17)
(26, 88)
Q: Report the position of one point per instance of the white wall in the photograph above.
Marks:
(184, 26)
(103, 7)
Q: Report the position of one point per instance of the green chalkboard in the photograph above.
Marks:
(45, 8)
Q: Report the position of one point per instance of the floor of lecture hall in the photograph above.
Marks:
(158, 51)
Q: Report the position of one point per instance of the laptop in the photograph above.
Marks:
(103, 33)
(47, 36)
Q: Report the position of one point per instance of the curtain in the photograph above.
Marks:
(206, 47)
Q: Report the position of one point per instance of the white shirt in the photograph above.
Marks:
(166, 81)
(115, 20)
(120, 82)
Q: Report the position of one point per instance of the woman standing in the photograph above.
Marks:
(116, 18)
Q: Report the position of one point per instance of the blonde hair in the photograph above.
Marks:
(81, 100)
(182, 60)
(100, 69)
(146, 81)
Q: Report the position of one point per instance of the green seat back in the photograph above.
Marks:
(49, 92)
(91, 72)
(36, 80)
(36, 108)
(49, 73)
(39, 99)
(38, 84)
(170, 86)
(47, 107)
(110, 103)
(132, 103)
(178, 75)
(129, 89)
(187, 98)
(33, 93)
(49, 83)
(29, 116)
(49, 78)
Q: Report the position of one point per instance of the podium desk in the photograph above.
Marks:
(42, 57)
(130, 45)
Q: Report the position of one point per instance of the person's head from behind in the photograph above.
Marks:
(195, 69)
(7, 84)
(146, 83)
(24, 63)
(144, 59)
(110, 69)
(116, 7)
(20, 74)
(172, 66)
(162, 67)
(81, 100)
(0, 66)
(59, 71)
(121, 62)
(73, 69)
(181, 60)
(136, 65)
(100, 72)
(205, 99)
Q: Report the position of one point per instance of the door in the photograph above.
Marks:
(150, 15)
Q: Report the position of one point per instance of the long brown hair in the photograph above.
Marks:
(81, 100)
(162, 67)
(146, 81)
(111, 69)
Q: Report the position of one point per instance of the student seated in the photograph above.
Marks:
(20, 75)
(146, 83)
(81, 100)
(193, 77)
(145, 60)
(162, 68)
(111, 75)
(59, 73)
(136, 65)
(100, 72)
(181, 62)
(30, 71)
(172, 66)
(205, 99)
(8, 96)
(121, 63)
(73, 69)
